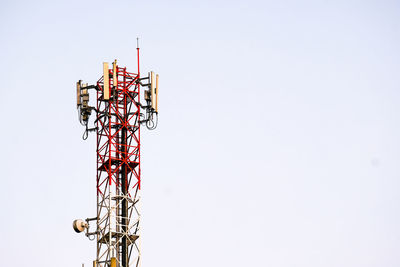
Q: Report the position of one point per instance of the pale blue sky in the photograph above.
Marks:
(278, 142)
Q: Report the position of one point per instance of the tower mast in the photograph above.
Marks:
(119, 116)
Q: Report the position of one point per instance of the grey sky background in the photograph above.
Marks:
(277, 142)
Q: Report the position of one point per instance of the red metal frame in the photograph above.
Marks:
(120, 112)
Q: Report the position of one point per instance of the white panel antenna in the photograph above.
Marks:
(106, 82)
(152, 89)
(157, 93)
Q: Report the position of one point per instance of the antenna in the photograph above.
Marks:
(115, 79)
(153, 90)
(106, 82)
(156, 93)
(78, 94)
(137, 55)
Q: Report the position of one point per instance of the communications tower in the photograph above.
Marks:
(125, 101)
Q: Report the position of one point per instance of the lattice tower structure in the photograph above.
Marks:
(118, 169)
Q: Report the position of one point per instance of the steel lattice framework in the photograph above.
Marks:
(118, 169)
(119, 115)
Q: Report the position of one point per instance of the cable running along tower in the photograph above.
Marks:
(120, 111)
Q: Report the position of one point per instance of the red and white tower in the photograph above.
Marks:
(120, 111)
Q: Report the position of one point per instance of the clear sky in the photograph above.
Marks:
(278, 142)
